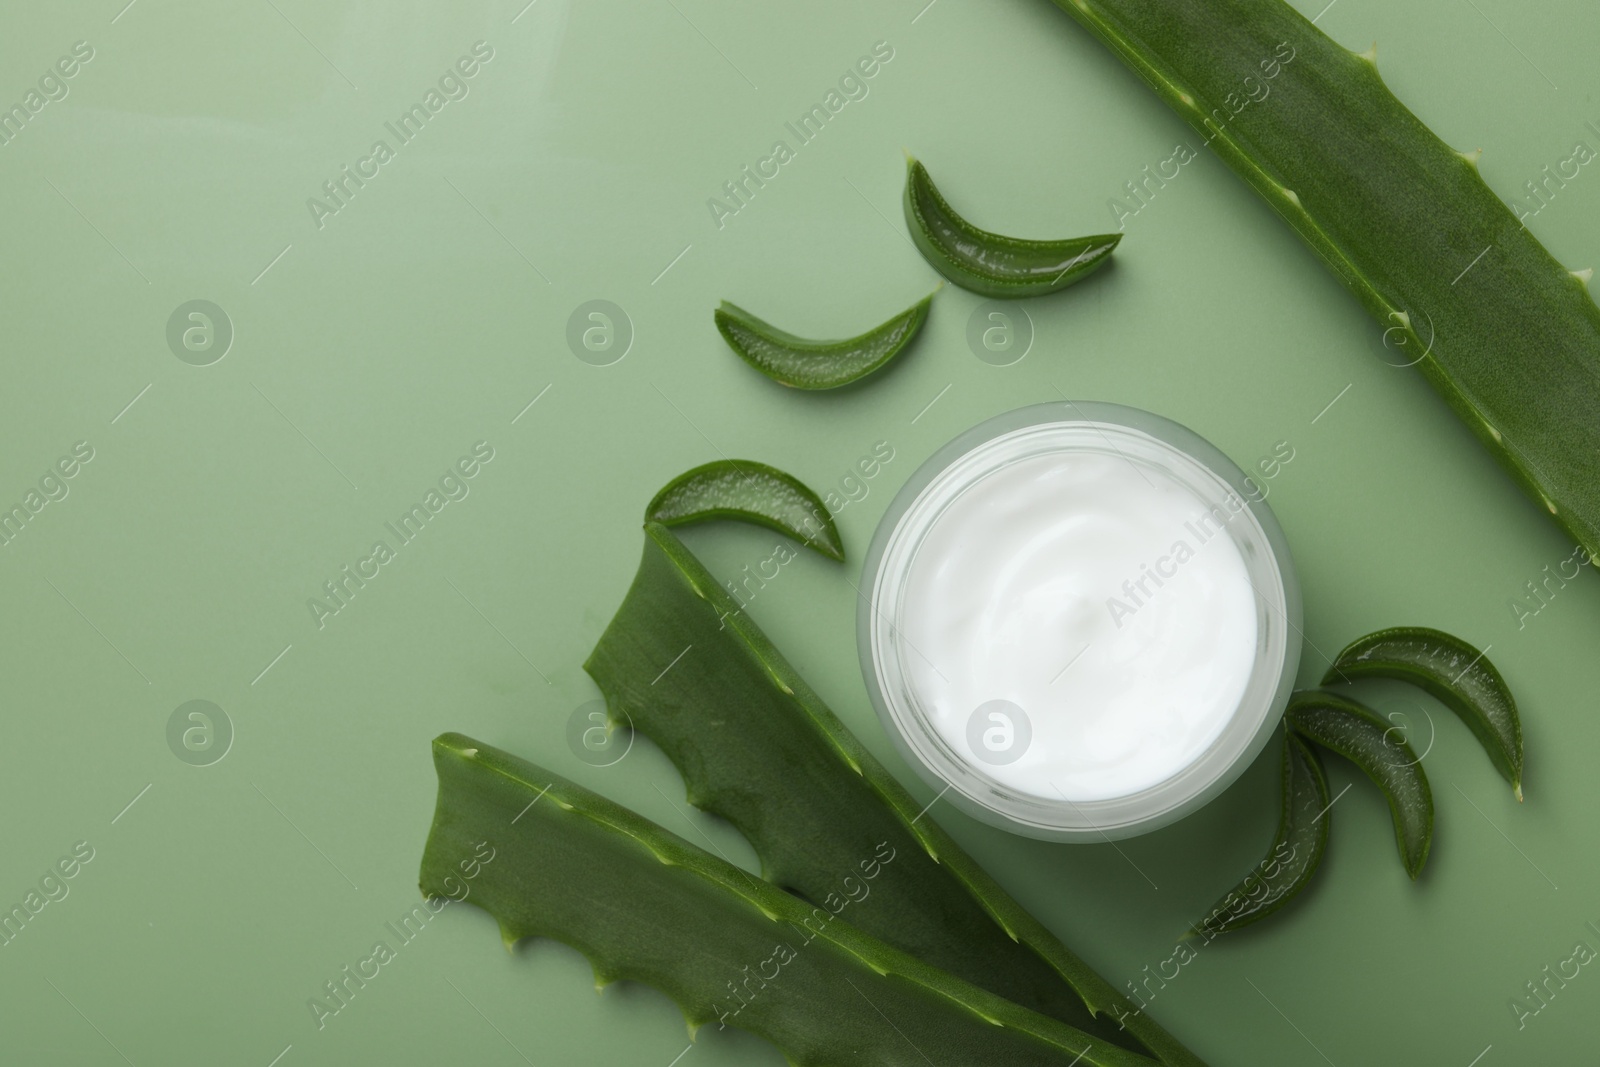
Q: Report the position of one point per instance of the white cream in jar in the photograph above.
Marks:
(1078, 624)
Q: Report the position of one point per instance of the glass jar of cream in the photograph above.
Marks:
(1080, 621)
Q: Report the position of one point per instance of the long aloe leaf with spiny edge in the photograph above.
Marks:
(645, 905)
(1506, 334)
(758, 747)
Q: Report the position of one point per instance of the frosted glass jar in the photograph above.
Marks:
(1080, 621)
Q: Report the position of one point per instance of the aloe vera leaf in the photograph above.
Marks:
(645, 905)
(1355, 732)
(1296, 850)
(990, 263)
(752, 492)
(806, 364)
(1506, 334)
(1461, 677)
(759, 748)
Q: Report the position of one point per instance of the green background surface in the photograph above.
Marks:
(371, 353)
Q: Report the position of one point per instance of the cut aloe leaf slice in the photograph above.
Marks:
(748, 491)
(806, 364)
(1458, 675)
(1296, 850)
(1356, 732)
(991, 263)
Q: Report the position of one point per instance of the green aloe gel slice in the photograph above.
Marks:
(1458, 675)
(805, 364)
(749, 492)
(1296, 851)
(991, 263)
(1356, 732)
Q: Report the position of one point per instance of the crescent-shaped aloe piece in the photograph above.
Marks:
(806, 364)
(1296, 850)
(1355, 732)
(1461, 677)
(990, 263)
(750, 492)
(758, 747)
(645, 905)
(1506, 334)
